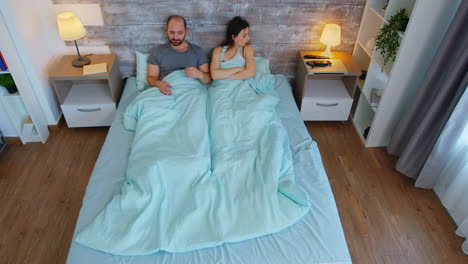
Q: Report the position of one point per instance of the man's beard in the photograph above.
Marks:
(176, 42)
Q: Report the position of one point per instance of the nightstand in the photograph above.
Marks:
(326, 93)
(87, 100)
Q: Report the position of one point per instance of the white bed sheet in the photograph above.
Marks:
(316, 238)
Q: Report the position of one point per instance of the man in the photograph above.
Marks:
(177, 54)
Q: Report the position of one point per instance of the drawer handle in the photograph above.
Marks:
(326, 105)
(89, 110)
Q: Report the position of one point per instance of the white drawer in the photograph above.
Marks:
(332, 109)
(89, 115)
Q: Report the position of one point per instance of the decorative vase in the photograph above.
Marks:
(404, 24)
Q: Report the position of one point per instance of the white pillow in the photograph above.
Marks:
(141, 70)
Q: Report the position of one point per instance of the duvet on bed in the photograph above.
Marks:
(206, 166)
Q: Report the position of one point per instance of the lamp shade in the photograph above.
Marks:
(331, 35)
(70, 27)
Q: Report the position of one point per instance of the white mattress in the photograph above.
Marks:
(316, 238)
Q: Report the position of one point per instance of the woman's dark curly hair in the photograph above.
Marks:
(236, 25)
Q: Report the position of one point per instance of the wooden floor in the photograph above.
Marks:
(385, 219)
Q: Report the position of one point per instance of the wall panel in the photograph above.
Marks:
(279, 28)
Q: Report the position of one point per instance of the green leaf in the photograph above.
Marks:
(388, 40)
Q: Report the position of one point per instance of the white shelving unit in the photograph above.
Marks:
(14, 117)
(369, 121)
(19, 122)
(26, 78)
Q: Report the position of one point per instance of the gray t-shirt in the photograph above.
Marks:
(170, 60)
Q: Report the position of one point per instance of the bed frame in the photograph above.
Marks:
(316, 238)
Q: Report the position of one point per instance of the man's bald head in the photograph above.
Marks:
(176, 29)
(176, 18)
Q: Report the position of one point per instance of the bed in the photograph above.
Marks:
(316, 238)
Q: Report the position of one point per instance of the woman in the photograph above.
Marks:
(234, 59)
(250, 191)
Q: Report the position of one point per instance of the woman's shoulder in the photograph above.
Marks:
(248, 47)
(218, 49)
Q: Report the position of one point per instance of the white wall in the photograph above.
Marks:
(36, 24)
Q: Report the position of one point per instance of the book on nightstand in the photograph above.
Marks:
(95, 68)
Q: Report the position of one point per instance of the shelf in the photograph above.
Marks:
(34, 136)
(377, 5)
(380, 15)
(377, 58)
(367, 100)
(326, 89)
(16, 112)
(394, 6)
(360, 131)
(374, 79)
(374, 21)
(29, 132)
(10, 95)
(361, 57)
(88, 92)
(390, 79)
(363, 117)
(15, 119)
(371, 28)
(365, 50)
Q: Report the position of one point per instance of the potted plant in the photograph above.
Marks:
(387, 40)
(7, 81)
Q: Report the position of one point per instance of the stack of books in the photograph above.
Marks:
(3, 65)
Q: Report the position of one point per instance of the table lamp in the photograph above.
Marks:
(331, 36)
(70, 28)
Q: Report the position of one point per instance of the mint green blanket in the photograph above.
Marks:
(208, 165)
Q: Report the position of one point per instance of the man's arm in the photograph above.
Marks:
(152, 77)
(202, 73)
(206, 76)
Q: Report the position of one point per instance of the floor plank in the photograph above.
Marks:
(385, 219)
(41, 188)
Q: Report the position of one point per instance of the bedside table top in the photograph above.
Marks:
(64, 68)
(342, 64)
